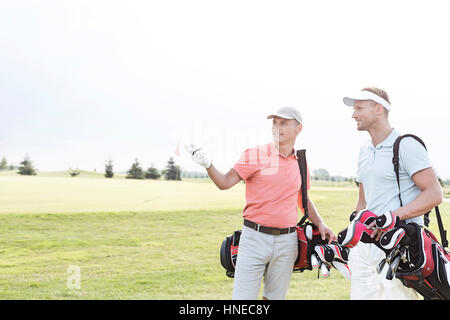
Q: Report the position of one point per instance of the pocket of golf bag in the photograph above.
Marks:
(431, 276)
(444, 263)
(435, 286)
(306, 247)
(441, 275)
(441, 260)
(229, 251)
(303, 262)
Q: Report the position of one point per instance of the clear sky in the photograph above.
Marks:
(84, 81)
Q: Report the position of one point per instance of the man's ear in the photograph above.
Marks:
(380, 109)
(299, 128)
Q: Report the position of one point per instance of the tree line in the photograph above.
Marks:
(25, 168)
(171, 171)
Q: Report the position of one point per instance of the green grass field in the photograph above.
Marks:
(136, 239)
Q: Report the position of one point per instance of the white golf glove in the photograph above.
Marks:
(198, 155)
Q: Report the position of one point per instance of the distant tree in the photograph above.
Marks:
(135, 171)
(178, 175)
(152, 173)
(26, 167)
(338, 178)
(193, 174)
(321, 174)
(172, 171)
(74, 172)
(3, 164)
(109, 169)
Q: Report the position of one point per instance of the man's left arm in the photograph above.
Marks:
(315, 218)
(430, 196)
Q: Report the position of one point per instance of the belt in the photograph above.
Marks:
(268, 230)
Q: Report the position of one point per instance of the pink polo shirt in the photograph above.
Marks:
(272, 186)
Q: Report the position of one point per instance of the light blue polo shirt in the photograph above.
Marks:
(376, 173)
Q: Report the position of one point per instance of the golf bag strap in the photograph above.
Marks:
(442, 231)
(301, 156)
(396, 161)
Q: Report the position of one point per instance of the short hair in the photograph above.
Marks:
(379, 92)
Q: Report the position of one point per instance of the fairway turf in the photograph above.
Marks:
(168, 249)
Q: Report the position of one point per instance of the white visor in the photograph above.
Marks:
(367, 95)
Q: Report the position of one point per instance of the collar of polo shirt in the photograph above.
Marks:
(388, 142)
(273, 147)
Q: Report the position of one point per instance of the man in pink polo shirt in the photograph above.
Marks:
(268, 244)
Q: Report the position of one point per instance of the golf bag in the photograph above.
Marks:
(421, 263)
(229, 252)
(311, 247)
(413, 253)
(425, 265)
(313, 252)
(308, 237)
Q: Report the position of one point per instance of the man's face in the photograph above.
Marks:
(285, 130)
(364, 113)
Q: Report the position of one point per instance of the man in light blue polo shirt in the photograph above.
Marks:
(378, 191)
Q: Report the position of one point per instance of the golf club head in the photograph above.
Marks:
(315, 263)
(358, 227)
(324, 253)
(404, 256)
(343, 269)
(389, 274)
(392, 255)
(324, 270)
(393, 261)
(392, 238)
(352, 235)
(386, 221)
(365, 216)
(340, 253)
(309, 232)
(394, 265)
(380, 265)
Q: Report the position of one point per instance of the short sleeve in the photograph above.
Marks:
(413, 156)
(246, 166)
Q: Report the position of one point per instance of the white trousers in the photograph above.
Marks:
(367, 284)
(264, 255)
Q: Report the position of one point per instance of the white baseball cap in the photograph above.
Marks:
(367, 95)
(287, 113)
